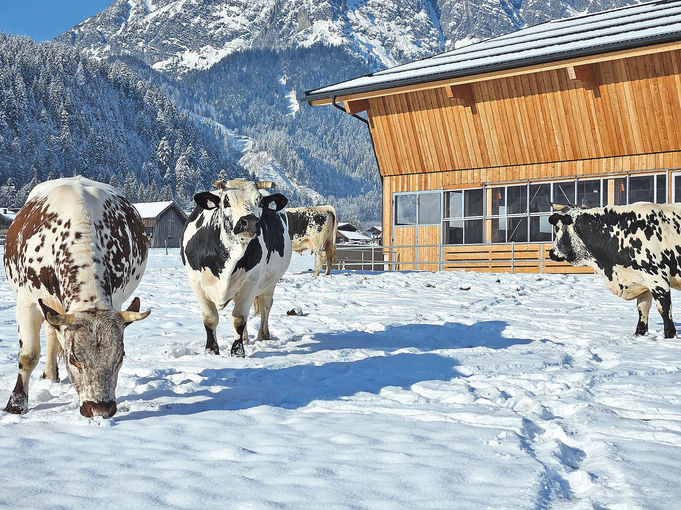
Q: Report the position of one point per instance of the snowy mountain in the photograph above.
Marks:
(175, 36)
(242, 64)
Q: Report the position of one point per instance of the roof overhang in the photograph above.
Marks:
(670, 42)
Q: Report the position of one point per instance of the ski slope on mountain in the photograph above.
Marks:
(392, 390)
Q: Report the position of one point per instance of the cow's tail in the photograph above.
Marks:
(60, 353)
(331, 243)
(256, 306)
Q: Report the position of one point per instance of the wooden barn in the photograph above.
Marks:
(164, 223)
(475, 143)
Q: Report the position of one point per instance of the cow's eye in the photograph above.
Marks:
(225, 202)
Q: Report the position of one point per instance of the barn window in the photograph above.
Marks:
(589, 193)
(640, 188)
(464, 216)
(418, 208)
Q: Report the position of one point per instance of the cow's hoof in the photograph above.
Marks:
(212, 350)
(641, 330)
(17, 404)
(670, 334)
(238, 350)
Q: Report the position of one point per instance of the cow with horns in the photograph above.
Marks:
(236, 246)
(635, 248)
(314, 229)
(74, 253)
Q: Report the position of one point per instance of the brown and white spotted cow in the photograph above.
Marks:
(74, 253)
(314, 229)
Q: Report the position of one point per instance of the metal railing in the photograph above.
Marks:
(512, 257)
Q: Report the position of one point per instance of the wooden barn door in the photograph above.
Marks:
(417, 230)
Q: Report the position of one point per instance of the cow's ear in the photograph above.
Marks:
(53, 317)
(275, 202)
(565, 219)
(207, 200)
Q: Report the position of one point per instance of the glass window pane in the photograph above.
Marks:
(516, 199)
(620, 191)
(498, 228)
(564, 193)
(677, 188)
(454, 204)
(454, 232)
(517, 230)
(540, 228)
(641, 189)
(405, 209)
(429, 209)
(540, 198)
(589, 193)
(498, 201)
(473, 202)
(473, 231)
(661, 197)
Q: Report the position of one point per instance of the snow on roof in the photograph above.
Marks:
(617, 29)
(10, 215)
(149, 210)
(353, 236)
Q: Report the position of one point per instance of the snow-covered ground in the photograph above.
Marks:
(393, 390)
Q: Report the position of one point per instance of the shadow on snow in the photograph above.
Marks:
(296, 386)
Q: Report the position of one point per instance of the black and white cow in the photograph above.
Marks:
(74, 253)
(314, 229)
(635, 248)
(236, 247)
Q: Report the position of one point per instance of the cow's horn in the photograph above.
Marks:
(265, 185)
(129, 316)
(57, 319)
(559, 207)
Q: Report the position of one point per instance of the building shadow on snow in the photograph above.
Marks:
(296, 386)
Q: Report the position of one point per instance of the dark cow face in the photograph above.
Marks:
(93, 350)
(567, 246)
(240, 205)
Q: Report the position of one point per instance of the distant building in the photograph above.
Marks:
(164, 223)
(6, 219)
(375, 233)
(351, 237)
(348, 227)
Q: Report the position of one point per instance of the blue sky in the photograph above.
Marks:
(46, 19)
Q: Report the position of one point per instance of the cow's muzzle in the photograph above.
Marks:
(247, 225)
(555, 257)
(90, 409)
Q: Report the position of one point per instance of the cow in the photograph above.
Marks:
(314, 229)
(635, 248)
(74, 253)
(235, 246)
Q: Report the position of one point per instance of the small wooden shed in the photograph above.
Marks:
(475, 143)
(164, 223)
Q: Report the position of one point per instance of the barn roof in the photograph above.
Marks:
(353, 236)
(7, 214)
(150, 210)
(580, 36)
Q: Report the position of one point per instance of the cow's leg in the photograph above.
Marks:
(663, 298)
(51, 370)
(239, 316)
(319, 262)
(28, 326)
(329, 259)
(265, 300)
(643, 303)
(210, 319)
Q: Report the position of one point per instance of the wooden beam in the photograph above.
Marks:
(516, 71)
(586, 74)
(462, 93)
(356, 106)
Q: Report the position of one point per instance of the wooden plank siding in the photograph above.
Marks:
(535, 126)
(533, 119)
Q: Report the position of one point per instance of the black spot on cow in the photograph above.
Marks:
(206, 250)
(299, 221)
(251, 258)
(272, 227)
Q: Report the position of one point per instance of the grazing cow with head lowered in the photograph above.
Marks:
(314, 229)
(74, 253)
(236, 247)
(635, 248)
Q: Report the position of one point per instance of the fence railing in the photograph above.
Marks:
(510, 258)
